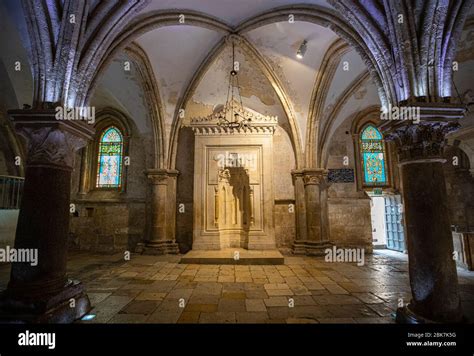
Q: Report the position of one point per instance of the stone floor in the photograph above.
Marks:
(157, 289)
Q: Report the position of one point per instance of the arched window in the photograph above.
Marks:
(372, 153)
(109, 160)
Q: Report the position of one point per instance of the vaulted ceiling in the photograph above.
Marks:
(190, 65)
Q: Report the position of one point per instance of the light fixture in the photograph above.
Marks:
(302, 50)
(231, 116)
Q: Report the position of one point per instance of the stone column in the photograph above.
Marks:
(432, 270)
(42, 292)
(163, 212)
(315, 242)
(300, 211)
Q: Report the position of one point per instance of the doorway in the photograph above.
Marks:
(387, 222)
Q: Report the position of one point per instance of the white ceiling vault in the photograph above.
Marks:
(273, 80)
(177, 52)
(190, 63)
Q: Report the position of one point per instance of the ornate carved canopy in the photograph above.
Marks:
(209, 125)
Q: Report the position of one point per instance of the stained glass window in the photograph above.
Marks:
(109, 169)
(372, 152)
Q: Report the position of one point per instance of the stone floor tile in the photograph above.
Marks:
(251, 318)
(368, 298)
(165, 317)
(231, 305)
(255, 305)
(334, 299)
(301, 321)
(277, 302)
(140, 307)
(279, 292)
(205, 308)
(337, 321)
(128, 319)
(233, 295)
(217, 318)
(189, 317)
(335, 289)
(383, 309)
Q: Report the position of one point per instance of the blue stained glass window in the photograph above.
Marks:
(372, 150)
(109, 169)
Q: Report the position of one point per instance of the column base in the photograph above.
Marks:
(310, 248)
(161, 248)
(407, 316)
(47, 308)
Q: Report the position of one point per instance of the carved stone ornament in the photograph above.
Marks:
(160, 176)
(314, 177)
(224, 175)
(259, 124)
(421, 141)
(51, 146)
(50, 142)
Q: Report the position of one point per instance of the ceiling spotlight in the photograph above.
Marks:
(301, 50)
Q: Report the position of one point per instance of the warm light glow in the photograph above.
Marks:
(302, 50)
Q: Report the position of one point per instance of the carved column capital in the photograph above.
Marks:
(314, 176)
(423, 137)
(161, 176)
(296, 175)
(423, 141)
(50, 142)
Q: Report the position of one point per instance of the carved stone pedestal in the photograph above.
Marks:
(42, 292)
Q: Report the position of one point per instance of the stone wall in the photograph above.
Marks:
(460, 189)
(348, 208)
(185, 191)
(285, 229)
(107, 227)
(349, 222)
(283, 164)
(109, 220)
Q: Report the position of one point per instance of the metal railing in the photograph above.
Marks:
(11, 190)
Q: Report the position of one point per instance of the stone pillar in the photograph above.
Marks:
(162, 238)
(300, 210)
(432, 270)
(309, 209)
(42, 292)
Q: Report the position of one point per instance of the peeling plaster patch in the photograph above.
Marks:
(196, 109)
(256, 91)
(173, 97)
(360, 94)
